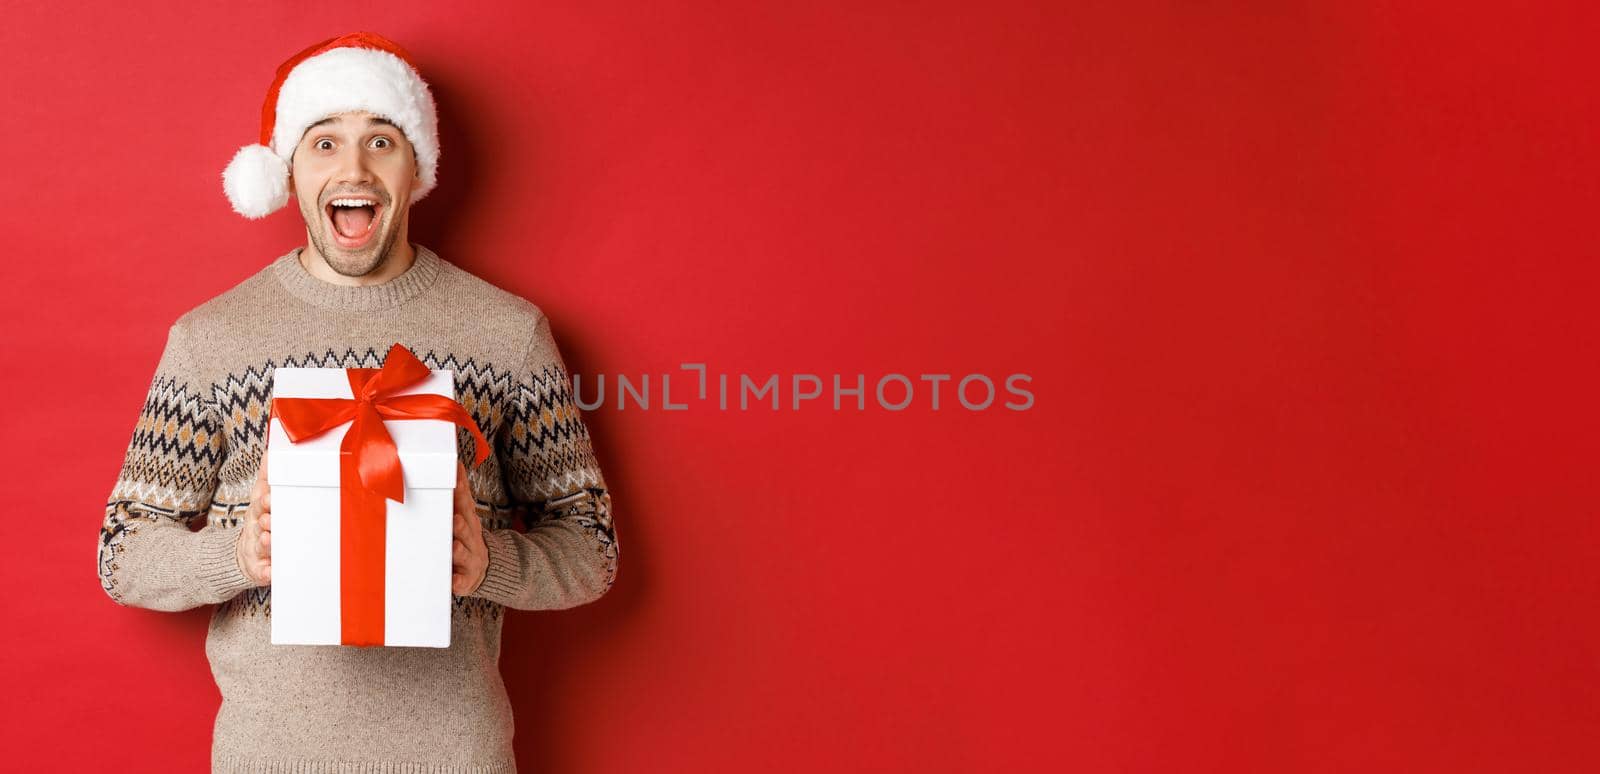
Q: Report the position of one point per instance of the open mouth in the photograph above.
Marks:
(353, 220)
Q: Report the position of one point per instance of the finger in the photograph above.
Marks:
(261, 475)
(463, 484)
(470, 521)
(265, 524)
(266, 500)
(266, 574)
(266, 544)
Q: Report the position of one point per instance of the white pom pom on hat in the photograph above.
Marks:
(356, 71)
(256, 181)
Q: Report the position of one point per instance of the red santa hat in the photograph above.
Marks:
(358, 71)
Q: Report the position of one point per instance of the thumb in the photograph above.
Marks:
(463, 489)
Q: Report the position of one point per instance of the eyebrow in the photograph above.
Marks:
(371, 121)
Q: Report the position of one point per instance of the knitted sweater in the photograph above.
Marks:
(192, 462)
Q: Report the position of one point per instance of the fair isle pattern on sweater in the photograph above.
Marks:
(200, 436)
(176, 453)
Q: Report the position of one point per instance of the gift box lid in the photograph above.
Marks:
(427, 447)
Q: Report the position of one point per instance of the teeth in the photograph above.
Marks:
(353, 203)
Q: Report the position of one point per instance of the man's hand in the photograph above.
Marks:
(470, 558)
(255, 536)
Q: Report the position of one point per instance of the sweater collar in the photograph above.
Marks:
(422, 274)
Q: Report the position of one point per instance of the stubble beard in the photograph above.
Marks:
(358, 264)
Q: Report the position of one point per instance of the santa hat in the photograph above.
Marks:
(358, 71)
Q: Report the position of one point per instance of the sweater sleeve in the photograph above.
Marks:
(566, 553)
(148, 556)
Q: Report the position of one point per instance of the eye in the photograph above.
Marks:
(386, 142)
(323, 144)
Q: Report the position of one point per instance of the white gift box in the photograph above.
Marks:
(304, 478)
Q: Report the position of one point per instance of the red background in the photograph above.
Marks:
(1303, 292)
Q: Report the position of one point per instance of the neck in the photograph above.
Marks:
(401, 256)
(424, 272)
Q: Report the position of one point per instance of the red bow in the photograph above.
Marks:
(369, 471)
(368, 440)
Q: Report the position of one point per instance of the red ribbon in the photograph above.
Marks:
(369, 473)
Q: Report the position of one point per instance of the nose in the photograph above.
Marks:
(353, 169)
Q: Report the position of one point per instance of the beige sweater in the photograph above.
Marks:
(192, 461)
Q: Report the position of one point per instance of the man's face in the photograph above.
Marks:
(354, 159)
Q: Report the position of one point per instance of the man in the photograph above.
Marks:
(349, 130)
